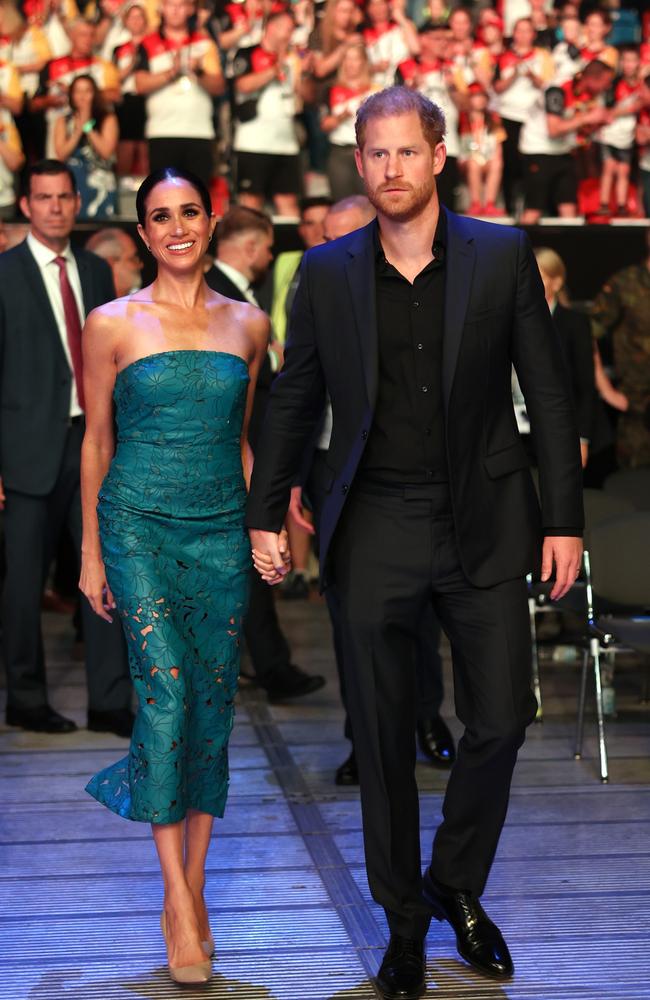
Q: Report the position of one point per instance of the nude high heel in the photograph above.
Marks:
(187, 974)
(208, 946)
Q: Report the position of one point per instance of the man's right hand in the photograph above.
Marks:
(271, 556)
(2, 495)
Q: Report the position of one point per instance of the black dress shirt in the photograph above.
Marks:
(406, 443)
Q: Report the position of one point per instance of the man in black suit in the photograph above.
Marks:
(46, 289)
(412, 324)
(244, 255)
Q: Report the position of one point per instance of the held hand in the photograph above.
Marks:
(271, 556)
(2, 495)
(565, 553)
(296, 512)
(584, 453)
(92, 583)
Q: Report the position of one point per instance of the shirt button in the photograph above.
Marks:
(425, 388)
(344, 488)
(420, 347)
(427, 431)
(364, 435)
(416, 304)
(430, 472)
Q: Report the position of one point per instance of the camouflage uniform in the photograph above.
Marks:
(622, 308)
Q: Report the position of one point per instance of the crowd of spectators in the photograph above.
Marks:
(547, 105)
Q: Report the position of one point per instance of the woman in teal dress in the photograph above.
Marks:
(173, 368)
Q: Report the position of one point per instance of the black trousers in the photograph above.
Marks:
(195, 155)
(394, 554)
(267, 644)
(33, 525)
(428, 659)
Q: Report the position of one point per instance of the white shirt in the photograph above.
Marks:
(45, 258)
(242, 283)
(239, 280)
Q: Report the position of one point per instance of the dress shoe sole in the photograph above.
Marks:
(402, 995)
(488, 973)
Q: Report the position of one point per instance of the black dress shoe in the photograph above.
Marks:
(292, 683)
(401, 976)
(40, 720)
(479, 941)
(348, 772)
(120, 723)
(436, 742)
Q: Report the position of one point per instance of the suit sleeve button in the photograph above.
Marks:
(344, 488)
(364, 435)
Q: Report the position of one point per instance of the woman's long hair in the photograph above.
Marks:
(366, 81)
(327, 26)
(98, 107)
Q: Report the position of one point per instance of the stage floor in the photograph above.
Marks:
(290, 907)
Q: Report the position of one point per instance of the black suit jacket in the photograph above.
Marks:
(221, 283)
(495, 316)
(35, 378)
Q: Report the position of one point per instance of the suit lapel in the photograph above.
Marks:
(86, 279)
(41, 299)
(460, 270)
(360, 271)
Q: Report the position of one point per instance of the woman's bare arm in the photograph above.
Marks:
(99, 359)
(260, 334)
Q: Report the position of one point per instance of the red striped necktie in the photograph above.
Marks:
(73, 327)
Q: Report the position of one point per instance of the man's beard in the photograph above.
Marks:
(409, 206)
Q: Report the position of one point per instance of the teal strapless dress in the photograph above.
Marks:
(177, 557)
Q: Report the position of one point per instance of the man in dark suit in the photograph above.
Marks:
(412, 324)
(46, 290)
(244, 255)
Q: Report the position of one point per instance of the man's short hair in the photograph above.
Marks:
(401, 100)
(107, 243)
(316, 201)
(599, 12)
(596, 68)
(240, 219)
(429, 27)
(48, 168)
(355, 202)
(277, 14)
